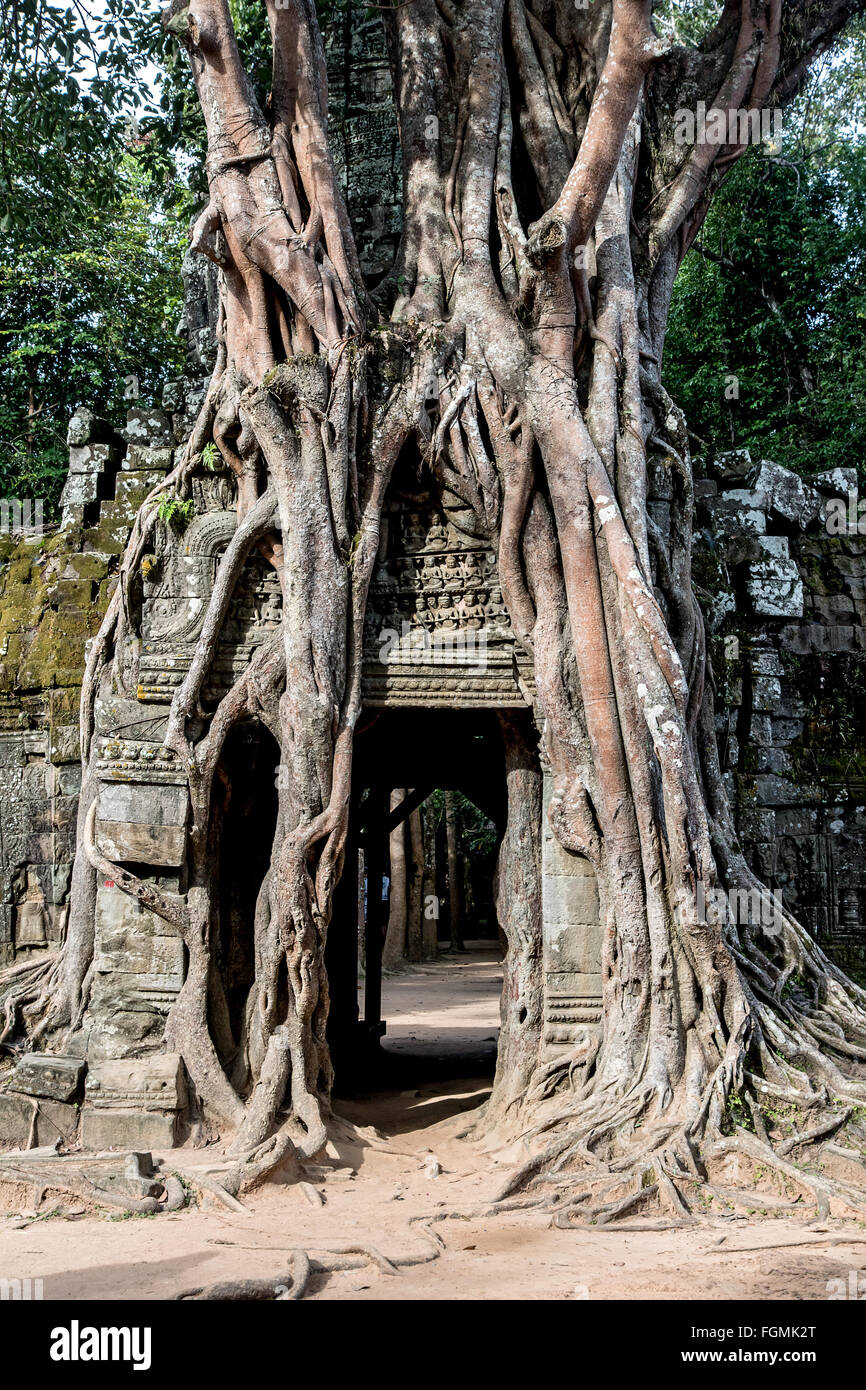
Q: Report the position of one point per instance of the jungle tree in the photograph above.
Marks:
(516, 345)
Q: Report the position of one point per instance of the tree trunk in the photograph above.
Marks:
(455, 875)
(429, 899)
(416, 882)
(395, 941)
(547, 206)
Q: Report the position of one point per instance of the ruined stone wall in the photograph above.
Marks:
(55, 584)
(363, 133)
(784, 591)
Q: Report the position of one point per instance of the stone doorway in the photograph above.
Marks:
(430, 753)
(249, 767)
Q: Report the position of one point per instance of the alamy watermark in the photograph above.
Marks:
(21, 1290)
(734, 127)
(845, 516)
(743, 907)
(852, 1287)
(77, 1343)
(19, 518)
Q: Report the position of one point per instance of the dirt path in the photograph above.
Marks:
(442, 1019)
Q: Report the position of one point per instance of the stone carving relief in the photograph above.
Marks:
(572, 940)
(437, 630)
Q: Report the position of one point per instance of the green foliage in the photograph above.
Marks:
(175, 512)
(90, 241)
(83, 311)
(76, 84)
(476, 834)
(765, 339)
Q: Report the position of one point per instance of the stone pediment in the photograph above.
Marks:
(437, 631)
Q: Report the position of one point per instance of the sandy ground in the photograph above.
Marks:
(440, 1050)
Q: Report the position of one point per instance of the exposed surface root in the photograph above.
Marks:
(293, 1284)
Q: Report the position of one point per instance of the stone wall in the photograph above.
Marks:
(54, 587)
(363, 132)
(784, 591)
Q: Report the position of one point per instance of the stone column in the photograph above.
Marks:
(571, 930)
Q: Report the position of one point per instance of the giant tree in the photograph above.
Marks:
(516, 346)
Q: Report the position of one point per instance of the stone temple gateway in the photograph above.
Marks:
(441, 672)
(443, 680)
(444, 683)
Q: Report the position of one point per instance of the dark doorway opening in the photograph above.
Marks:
(248, 767)
(432, 1021)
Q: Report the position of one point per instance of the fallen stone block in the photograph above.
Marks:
(151, 427)
(836, 482)
(41, 1074)
(735, 463)
(785, 493)
(735, 513)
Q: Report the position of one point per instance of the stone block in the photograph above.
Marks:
(12, 751)
(572, 946)
(117, 911)
(572, 1000)
(156, 961)
(735, 463)
(147, 427)
(795, 821)
(766, 693)
(766, 662)
(775, 547)
(31, 925)
(777, 791)
(79, 489)
(150, 1084)
(757, 823)
(67, 779)
(92, 458)
(785, 493)
(134, 487)
(141, 458)
(87, 428)
(143, 803)
(734, 513)
(123, 1020)
(774, 760)
(128, 1129)
(54, 1120)
(128, 843)
(836, 482)
(54, 1077)
(761, 730)
(705, 487)
(832, 607)
(173, 395)
(138, 960)
(570, 900)
(775, 589)
(842, 637)
(65, 743)
(787, 730)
